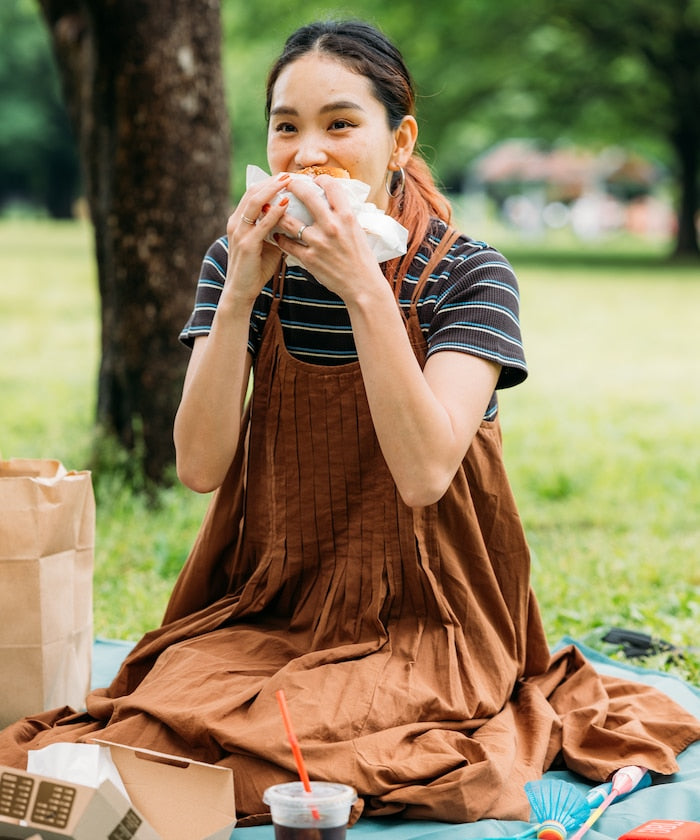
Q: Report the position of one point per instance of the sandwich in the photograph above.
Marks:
(335, 171)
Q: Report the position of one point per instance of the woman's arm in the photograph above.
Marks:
(208, 420)
(425, 419)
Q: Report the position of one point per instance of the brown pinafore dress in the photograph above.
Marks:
(407, 641)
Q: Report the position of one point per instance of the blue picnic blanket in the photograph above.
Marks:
(677, 797)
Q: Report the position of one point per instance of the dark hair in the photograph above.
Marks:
(364, 50)
(367, 51)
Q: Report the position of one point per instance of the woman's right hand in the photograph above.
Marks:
(207, 424)
(252, 260)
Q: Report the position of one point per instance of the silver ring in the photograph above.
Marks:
(301, 233)
(248, 221)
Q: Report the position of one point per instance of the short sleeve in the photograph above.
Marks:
(476, 309)
(209, 286)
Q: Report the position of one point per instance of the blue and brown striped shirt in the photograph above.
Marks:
(469, 304)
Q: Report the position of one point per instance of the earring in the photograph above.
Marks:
(395, 190)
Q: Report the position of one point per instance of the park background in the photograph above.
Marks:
(556, 129)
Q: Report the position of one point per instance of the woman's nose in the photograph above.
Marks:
(310, 151)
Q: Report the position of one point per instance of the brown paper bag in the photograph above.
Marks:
(47, 541)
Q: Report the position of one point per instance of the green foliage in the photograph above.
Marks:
(584, 71)
(38, 161)
(600, 441)
(24, 63)
(455, 74)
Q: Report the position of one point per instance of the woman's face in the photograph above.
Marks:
(323, 114)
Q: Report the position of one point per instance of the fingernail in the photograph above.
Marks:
(265, 208)
(283, 176)
(283, 202)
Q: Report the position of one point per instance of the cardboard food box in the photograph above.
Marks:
(171, 799)
(58, 810)
(181, 799)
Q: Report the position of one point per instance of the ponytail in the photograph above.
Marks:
(419, 202)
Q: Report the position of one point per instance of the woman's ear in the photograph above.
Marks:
(405, 137)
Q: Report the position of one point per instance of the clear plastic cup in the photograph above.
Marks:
(321, 814)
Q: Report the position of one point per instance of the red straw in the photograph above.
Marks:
(296, 749)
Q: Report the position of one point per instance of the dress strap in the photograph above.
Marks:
(411, 319)
(442, 248)
(278, 284)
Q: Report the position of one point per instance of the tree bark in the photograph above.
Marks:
(683, 76)
(144, 89)
(686, 142)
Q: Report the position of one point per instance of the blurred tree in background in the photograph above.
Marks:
(640, 63)
(580, 71)
(143, 83)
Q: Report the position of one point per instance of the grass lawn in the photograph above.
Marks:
(601, 441)
(601, 444)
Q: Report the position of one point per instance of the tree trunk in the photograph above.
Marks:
(144, 88)
(684, 86)
(687, 145)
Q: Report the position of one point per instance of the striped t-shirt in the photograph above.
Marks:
(469, 304)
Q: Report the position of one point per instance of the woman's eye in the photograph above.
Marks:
(284, 127)
(338, 125)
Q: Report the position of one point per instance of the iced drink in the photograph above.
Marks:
(321, 814)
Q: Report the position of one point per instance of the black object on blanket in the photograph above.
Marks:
(637, 645)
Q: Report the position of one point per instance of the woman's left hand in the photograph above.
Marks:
(334, 248)
(425, 418)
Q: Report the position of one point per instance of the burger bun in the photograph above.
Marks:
(335, 171)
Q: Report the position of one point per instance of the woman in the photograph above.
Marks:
(362, 551)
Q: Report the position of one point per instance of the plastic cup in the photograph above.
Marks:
(321, 814)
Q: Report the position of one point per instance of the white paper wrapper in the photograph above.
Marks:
(79, 764)
(387, 238)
